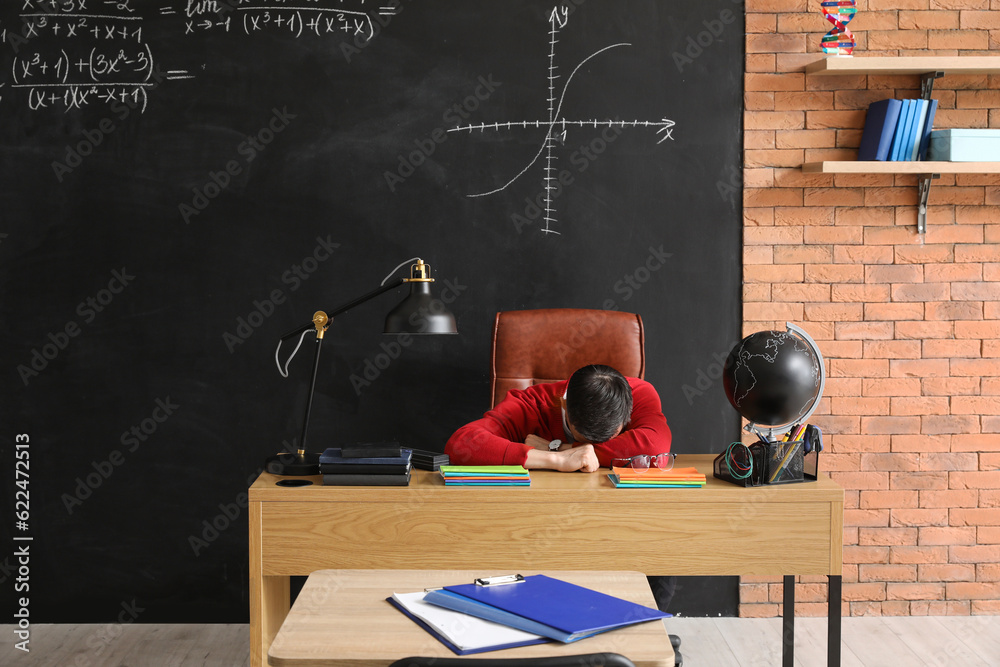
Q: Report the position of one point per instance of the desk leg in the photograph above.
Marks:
(270, 597)
(788, 622)
(833, 620)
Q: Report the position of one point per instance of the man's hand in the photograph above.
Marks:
(537, 442)
(582, 458)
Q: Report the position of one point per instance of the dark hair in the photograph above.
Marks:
(598, 402)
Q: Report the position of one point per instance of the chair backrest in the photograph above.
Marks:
(588, 660)
(533, 346)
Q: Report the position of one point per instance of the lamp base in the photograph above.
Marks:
(293, 465)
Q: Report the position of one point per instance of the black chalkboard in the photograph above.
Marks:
(183, 182)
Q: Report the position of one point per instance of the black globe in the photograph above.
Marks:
(772, 378)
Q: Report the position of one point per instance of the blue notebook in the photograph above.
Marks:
(902, 128)
(926, 134)
(880, 125)
(545, 606)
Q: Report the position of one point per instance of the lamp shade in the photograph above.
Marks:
(420, 313)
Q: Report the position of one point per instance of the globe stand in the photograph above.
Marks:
(776, 388)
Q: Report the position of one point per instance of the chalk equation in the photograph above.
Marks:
(73, 54)
(341, 18)
(557, 124)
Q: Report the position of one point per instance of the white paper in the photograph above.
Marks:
(464, 631)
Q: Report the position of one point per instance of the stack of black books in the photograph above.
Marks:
(366, 465)
(426, 460)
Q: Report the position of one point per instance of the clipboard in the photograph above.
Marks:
(545, 606)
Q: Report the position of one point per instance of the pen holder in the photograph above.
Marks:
(773, 463)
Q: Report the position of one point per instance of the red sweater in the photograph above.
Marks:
(498, 438)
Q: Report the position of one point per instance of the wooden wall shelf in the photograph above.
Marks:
(928, 167)
(846, 65)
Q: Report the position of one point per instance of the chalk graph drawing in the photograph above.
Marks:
(556, 124)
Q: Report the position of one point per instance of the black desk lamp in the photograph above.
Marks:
(418, 313)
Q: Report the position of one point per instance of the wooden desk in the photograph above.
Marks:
(341, 618)
(563, 521)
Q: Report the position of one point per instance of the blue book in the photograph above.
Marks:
(899, 137)
(913, 131)
(545, 606)
(880, 124)
(335, 455)
(926, 134)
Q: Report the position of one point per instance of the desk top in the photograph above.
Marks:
(341, 618)
(552, 485)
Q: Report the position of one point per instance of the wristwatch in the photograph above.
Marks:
(554, 445)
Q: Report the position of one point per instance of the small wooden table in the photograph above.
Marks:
(341, 618)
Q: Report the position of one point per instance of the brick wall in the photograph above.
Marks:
(909, 326)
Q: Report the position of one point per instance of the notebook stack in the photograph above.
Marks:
(485, 476)
(897, 130)
(652, 478)
(426, 460)
(366, 465)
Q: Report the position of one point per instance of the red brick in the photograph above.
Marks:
(979, 20)
(800, 292)
(891, 572)
(867, 216)
(864, 330)
(835, 273)
(894, 311)
(891, 387)
(834, 312)
(970, 441)
(879, 40)
(804, 215)
(988, 534)
(798, 254)
(950, 536)
(851, 405)
(975, 405)
(775, 43)
(918, 405)
(772, 311)
(955, 424)
(866, 609)
(840, 234)
(859, 368)
(980, 291)
(920, 291)
(921, 443)
(837, 424)
(789, 273)
(859, 293)
(952, 310)
(970, 554)
(947, 273)
(977, 253)
(753, 593)
(950, 348)
(949, 386)
(758, 610)
(969, 118)
(816, 120)
(921, 481)
(919, 368)
(921, 330)
(967, 590)
(945, 572)
(986, 516)
(991, 424)
(803, 101)
(771, 158)
(973, 329)
(894, 273)
(888, 499)
(984, 479)
(772, 235)
(925, 591)
(949, 461)
(977, 367)
(957, 39)
(846, 349)
(862, 480)
(985, 607)
(856, 554)
(988, 572)
(926, 254)
(917, 517)
(857, 443)
(890, 235)
(866, 591)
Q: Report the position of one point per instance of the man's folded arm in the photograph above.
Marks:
(647, 433)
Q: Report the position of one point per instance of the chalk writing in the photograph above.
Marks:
(72, 54)
(340, 18)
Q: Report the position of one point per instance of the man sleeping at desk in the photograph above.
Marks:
(577, 424)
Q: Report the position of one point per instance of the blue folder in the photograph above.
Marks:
(926, 133)
(902, 128)
(545, 606)
(880, 125)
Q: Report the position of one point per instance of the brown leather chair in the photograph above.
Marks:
(534, 346)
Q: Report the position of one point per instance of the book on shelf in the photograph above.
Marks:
(880, 124)
(897, 130)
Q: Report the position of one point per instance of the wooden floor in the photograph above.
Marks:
(958, 641)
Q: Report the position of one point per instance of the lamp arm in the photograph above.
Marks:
(339, 310)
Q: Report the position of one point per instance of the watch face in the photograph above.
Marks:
(554, 445)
